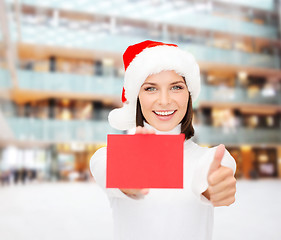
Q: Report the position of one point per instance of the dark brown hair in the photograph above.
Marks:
(186, 123)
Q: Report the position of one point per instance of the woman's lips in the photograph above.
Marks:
(164, 115)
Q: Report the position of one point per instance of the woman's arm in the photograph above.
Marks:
(98, 170)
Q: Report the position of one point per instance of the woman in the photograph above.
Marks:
(160, 83)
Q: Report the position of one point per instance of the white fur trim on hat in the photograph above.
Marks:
(123, 118)
(150, 61)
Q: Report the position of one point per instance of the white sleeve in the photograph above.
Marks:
(200, 177)
(98, 170)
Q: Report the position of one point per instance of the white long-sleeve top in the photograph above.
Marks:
(165, 214)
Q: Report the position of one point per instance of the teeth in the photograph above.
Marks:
(166, 113)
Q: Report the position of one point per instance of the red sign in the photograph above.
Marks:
(145, 161)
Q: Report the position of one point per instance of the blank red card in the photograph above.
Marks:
(145, 161)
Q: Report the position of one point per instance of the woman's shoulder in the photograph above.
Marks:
(100, 153)
(204, 152)
(101, 150)
(98, 160)
(199, 151)
(190, 144)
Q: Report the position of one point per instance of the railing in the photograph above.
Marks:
(87, 6)
(261, 4)
(112, 86)
(238, 95)
(186, 15)
(58, 131)
(118, 44)
(242, 135)
(5, 79)
(69, 82)
(232, 57)
(208, 21)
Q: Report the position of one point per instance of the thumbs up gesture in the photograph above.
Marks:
(222, 184)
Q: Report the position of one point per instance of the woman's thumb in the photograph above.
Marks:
(216, 163)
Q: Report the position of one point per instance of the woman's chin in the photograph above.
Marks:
(165, 127)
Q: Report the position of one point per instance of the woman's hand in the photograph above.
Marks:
(138, 193)
(143, 130)
(222, 184)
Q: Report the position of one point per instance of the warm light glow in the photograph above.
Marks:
(242, 75)
(246, 148)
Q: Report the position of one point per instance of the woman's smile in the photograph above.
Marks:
(165, 115)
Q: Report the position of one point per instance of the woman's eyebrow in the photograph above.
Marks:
(150, 83)
(177, 82)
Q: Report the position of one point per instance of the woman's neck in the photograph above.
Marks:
(176, 130)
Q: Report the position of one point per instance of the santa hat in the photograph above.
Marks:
(140, 61)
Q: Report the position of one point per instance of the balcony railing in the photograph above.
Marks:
(58, 131)
(238, 95)
(185, 15)
(118, 43)
(87, 6)
(112, 86)
(261, 4)
(232, 57)
(63, 82)
(242, 135)
(5, 79)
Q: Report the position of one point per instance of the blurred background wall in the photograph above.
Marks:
(61, 72)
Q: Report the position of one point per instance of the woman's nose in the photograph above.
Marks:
(164, 98)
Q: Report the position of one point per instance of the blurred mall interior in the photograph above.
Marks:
(61, 72)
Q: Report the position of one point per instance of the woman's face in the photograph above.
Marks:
(164, 98)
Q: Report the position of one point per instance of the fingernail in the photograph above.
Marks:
(145, 191)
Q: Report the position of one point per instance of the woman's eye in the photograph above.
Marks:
(177, 87)
(150, 89)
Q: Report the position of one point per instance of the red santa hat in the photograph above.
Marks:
(144, 59)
